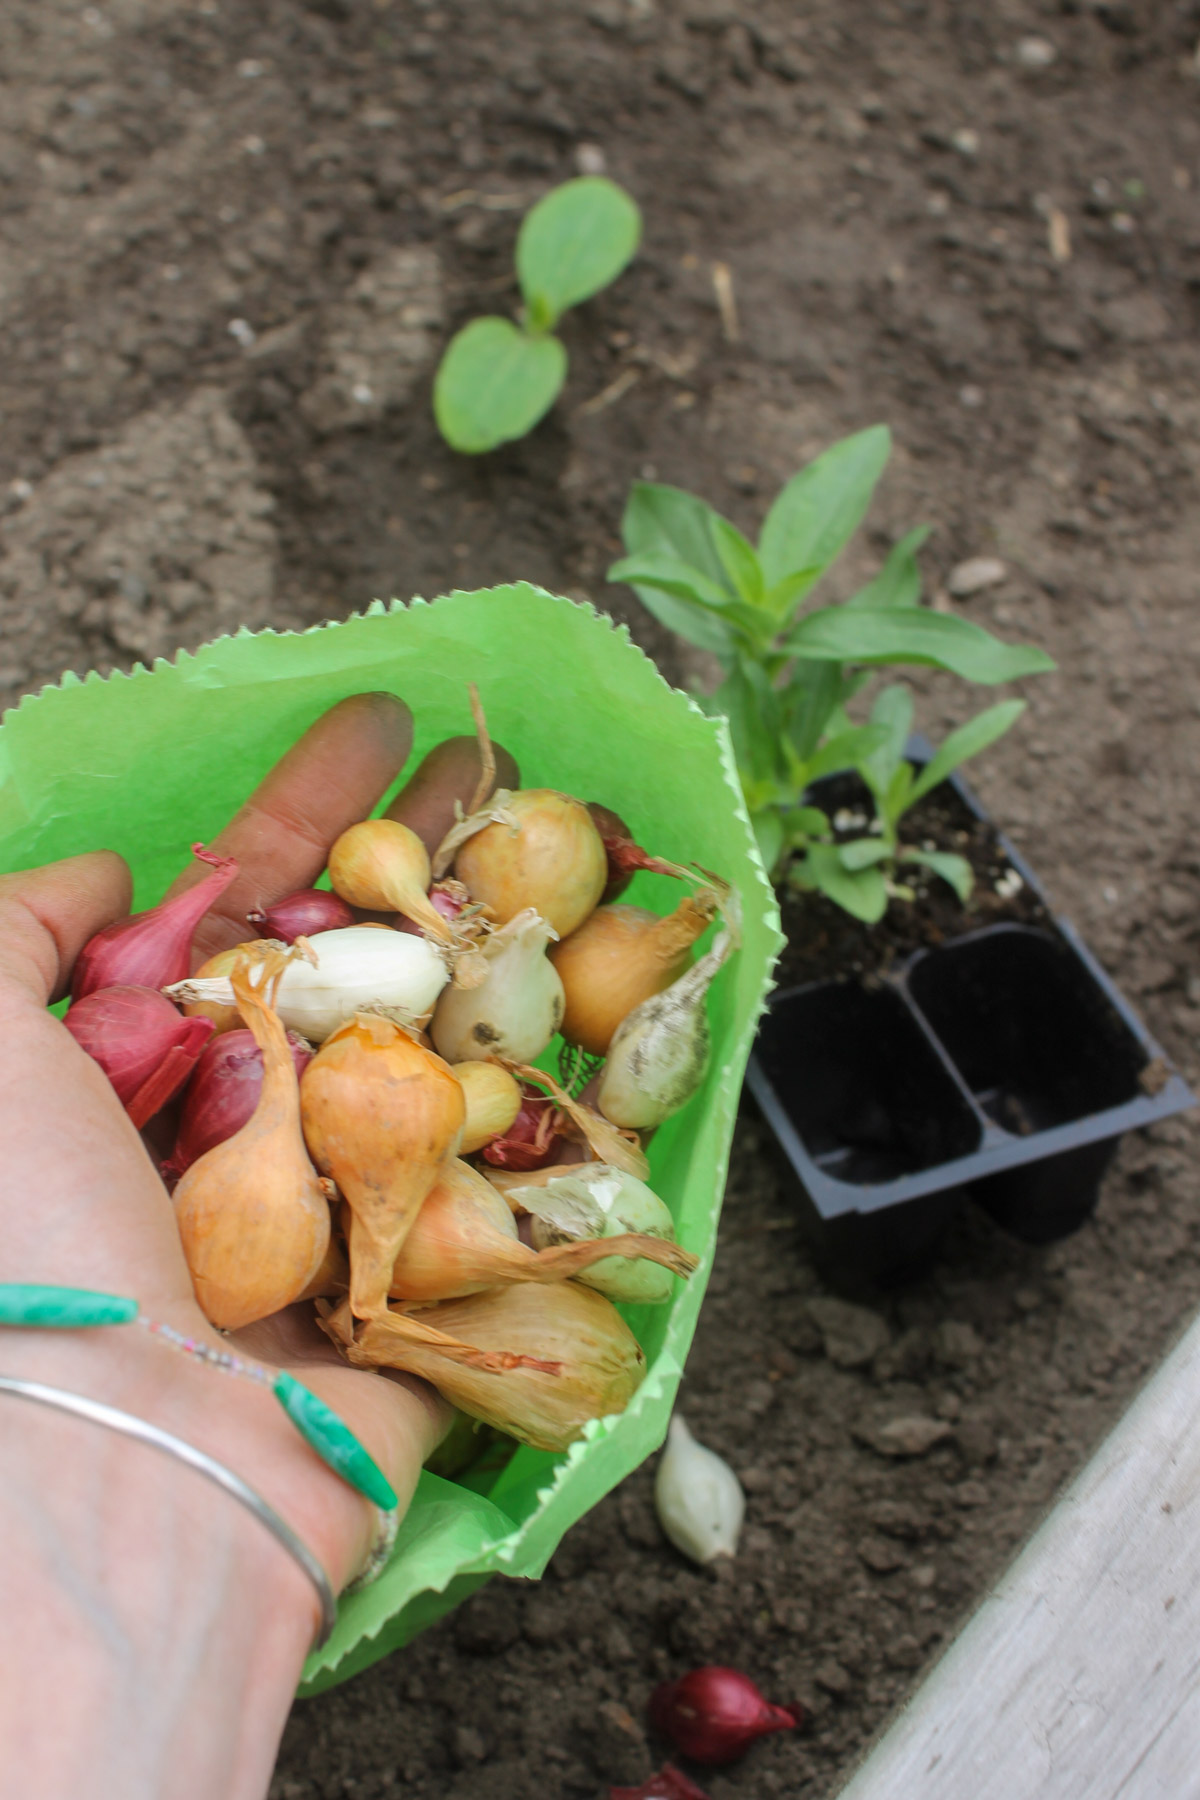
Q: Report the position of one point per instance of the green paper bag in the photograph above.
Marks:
(150, 762)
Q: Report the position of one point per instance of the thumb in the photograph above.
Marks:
(47, 915)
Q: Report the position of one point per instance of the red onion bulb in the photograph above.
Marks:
(531, 1140)
(713, 1715)
(152, 949)
(144, 1044)
(301, 915)
(223, 1094)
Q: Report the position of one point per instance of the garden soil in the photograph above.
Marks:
(234, 240)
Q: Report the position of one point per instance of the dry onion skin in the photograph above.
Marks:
(224, 1014)
(252, 1213)
(381, 1115)
(540, 850)
(465, 1239)
(590, 1362)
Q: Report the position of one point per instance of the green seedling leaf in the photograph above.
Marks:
(494, 383)
(863, 853)
(666, 520)
(862, 893)
(738, 559)
(664, 574)
(662, 518)
(811, 698)
(782, 599)
(751, 707)
(821, 508)
(966, 742)
(954, 869)
(898, 583)
(802, 822)
(893, 714)
(913, 634)
(575, 241)
(896, 798)
(769, 835)
(845, 751)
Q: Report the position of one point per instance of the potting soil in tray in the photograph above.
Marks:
(823, 940)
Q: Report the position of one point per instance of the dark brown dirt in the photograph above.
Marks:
(823, 940)
(234, 239)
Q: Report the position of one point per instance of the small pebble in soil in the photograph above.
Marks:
(1036, 53)
(974, 575)
(911, 1435)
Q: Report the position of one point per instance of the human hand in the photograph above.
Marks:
(82, 1205)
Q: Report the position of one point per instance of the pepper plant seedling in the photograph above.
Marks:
(498, 378)
(789, 674)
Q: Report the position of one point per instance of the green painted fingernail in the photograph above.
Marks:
(333, 1441)
(31, 1303)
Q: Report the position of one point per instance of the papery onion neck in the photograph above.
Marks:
(610, 1144)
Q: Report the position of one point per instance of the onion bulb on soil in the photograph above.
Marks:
(714, 1714)
(698, 1498)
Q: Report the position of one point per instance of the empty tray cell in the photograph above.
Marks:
(864, 1088)
(1035, 1039)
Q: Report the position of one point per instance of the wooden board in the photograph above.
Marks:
(1079, 1676)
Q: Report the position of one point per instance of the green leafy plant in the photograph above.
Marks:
(860, 874)
(789, 674)
(498, 378)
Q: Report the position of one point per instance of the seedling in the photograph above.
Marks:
(498, 378)
(860, 875)
(788, 675)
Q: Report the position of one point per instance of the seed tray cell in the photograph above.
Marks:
(1003, 1065)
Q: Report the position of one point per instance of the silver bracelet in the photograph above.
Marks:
(216, 1472)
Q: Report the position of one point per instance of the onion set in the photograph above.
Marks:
(253, 1213)
(360, 1124)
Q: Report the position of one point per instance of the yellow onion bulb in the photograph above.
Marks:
(586, 1361)
(382, 866)
(493, 1098)
(224, 1017)
(620, 956)
(545, 853)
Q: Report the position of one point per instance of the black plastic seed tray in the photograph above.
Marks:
(1004, 1065)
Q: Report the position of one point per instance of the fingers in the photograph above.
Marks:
(47, 915)
(333, 777)
(450, 773)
